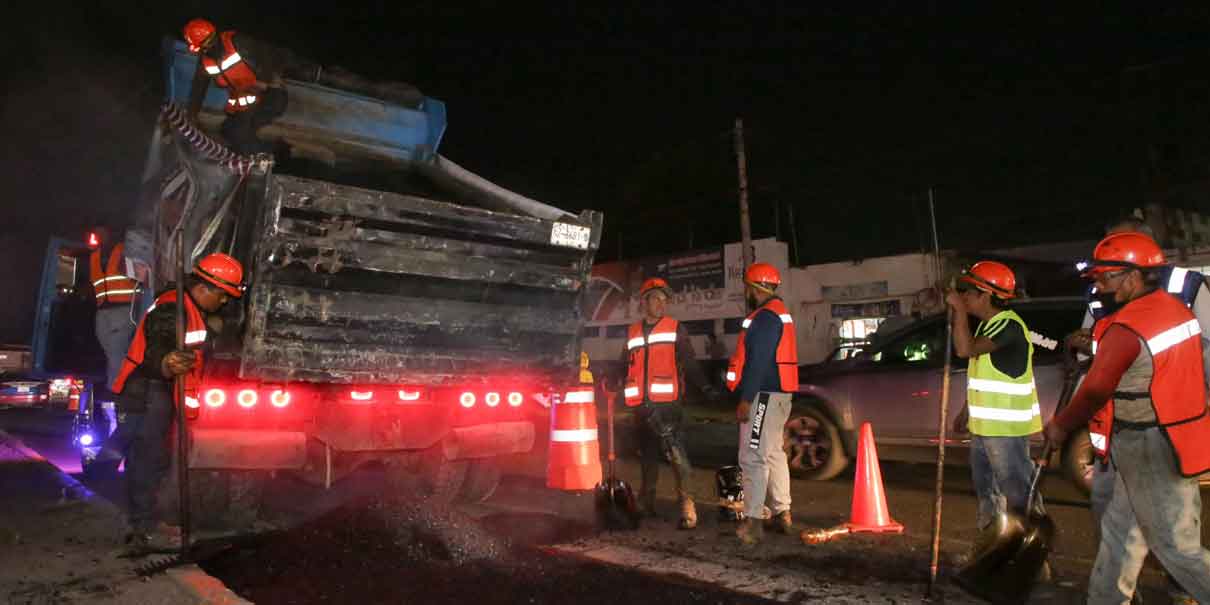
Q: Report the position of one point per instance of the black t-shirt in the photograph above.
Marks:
(1012, 345)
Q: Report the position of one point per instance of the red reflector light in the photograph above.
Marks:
(467, 399)
(246, 398)
(492, 400)
(215, 398)
(279, 398)
(361, 395)
(515, 399)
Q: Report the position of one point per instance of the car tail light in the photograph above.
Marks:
(215, 398)
(361, 395)
(406, 395)
(246, 398)
(492, 400)
(515, 399)
(467, 399)
(279, 398)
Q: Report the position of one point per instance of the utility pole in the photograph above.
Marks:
(745, 227)
(776, 219)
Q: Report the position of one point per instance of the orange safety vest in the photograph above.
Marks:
(653, 371)
(111, 284)
(787, 349)
(234, 74)
(195, 339)
(1178, 389)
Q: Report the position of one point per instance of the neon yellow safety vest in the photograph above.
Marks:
(1001, 405)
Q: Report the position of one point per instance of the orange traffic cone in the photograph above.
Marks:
(869, 499)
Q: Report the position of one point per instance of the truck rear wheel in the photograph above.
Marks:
(429, 477)
(482, 479)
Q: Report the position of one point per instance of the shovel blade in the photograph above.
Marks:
(616, 506)
(1005, 569)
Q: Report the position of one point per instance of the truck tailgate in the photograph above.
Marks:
(358, 286)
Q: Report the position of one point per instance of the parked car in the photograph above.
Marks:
(23, 392)
(895, 386)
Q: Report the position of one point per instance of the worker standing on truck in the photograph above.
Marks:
(115, 292)
(1190, 287)
(1001, 408)
(658, 355)
(764, 371)
(146, 396)
(252, 70)
(1148, 365)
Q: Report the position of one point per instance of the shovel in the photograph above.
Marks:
(614, 499)
(1016, 544)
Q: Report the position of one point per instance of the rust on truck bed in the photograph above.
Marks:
(352, 285)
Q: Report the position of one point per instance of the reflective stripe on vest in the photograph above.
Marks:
(652, 373)
(232, 71)
(111, 284)
(195, 325)
(1001, 405)
(787, 349)
(1178, 388)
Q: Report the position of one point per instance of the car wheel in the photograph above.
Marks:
(1078, 461)
(482, 479)
(813, 447)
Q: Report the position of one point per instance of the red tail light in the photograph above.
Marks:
(492, 400)
(467, 399)
(246, 398)
(361, 395)
(515, 399)
(215, 398)
(405, 395)
(279, 398)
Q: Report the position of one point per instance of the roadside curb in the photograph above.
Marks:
(203, 587)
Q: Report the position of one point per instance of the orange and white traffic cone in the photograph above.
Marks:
(869, 498)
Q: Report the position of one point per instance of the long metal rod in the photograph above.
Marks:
(941, 422)
(793, 232)
(182, 435)
(745, 225)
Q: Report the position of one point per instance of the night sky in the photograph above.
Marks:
(1016, 116)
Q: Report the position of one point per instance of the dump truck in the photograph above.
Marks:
(401, 310)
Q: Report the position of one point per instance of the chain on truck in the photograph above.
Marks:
(401, 309)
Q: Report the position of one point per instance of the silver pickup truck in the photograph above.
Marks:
(895, 385)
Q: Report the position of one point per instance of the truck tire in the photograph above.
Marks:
(225, 500)
(428, 478)
(482, 479)
(1078, 460)
(812, 443)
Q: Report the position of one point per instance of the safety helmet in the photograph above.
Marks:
(197, 31)
(223, 272)
(654, 283)
(993, 277)
(1125, 250)
(763, 276)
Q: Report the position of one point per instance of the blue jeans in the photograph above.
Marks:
(1000, 469)
(1165, 509)
(148, 456)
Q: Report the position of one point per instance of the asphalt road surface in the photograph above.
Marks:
(528, 544)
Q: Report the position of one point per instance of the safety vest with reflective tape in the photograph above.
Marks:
(787, 349)
(1172, 336)
(111, 284)
(1000, 405)
(233, 73)
(653, 373)
(195, 340)
(1181, 283)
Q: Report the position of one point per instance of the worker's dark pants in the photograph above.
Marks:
(149, 456)
(661, 436)
(239, 129)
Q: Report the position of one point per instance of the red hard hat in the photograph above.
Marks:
(991, 276)
(653, 283)
(1127, 250)
(762, 273)
(197, 31)
(223, 272)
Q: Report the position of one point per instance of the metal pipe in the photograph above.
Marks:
(745, 226)
(945, 397)
(182, 434)
(445, 171)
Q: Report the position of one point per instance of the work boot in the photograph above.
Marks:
(688, 514)
(783, 523)
(750, 531)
